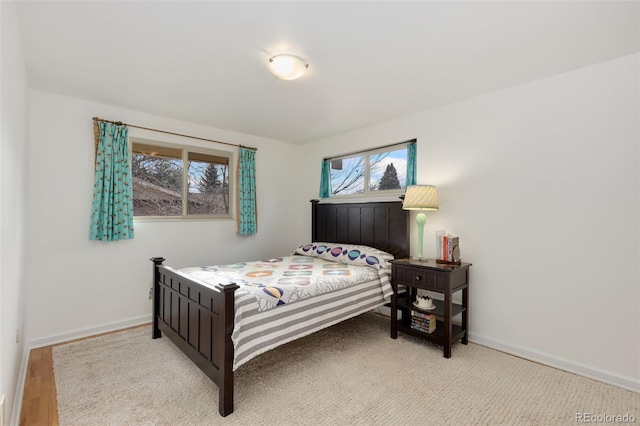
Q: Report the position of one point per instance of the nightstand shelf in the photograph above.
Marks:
(437, 336)
(429, 275)
(456, 309)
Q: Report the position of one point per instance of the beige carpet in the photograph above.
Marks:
(349, 374)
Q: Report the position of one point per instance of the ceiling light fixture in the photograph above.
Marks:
(287, 67)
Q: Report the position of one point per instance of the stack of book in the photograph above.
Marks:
(449, 248)
(423, 322)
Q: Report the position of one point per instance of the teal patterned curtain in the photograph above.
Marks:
(112, 213)
(247, 210)
(325, 179)
(412, 162)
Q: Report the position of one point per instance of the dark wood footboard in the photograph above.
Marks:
(198, 319)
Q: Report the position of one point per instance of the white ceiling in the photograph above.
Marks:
(206, 62)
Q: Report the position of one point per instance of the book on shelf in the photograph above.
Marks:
(423, 328)
(422, 315)
(423, 322)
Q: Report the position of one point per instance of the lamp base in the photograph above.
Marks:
(421, 219)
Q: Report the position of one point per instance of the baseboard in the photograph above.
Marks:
(570, 366)
(549, 360)
(88, 331)
(61, 338)
(17, 399)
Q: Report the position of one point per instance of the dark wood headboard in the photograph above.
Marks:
(383, 225)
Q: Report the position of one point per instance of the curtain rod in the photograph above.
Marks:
(120, 123)
(336, 157)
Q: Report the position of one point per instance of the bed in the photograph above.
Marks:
(199, 313)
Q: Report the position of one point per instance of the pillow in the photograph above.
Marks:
(350, 254)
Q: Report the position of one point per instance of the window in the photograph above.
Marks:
(374, 171)
(171, 181)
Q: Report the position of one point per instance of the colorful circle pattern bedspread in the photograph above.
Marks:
(318, 269)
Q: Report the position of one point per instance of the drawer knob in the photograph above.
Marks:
(418, 277)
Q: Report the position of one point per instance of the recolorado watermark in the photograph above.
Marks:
(605, 418)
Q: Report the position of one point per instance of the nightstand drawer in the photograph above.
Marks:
(419, 278)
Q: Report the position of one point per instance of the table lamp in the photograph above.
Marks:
(420, 197)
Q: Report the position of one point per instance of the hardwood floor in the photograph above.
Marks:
(39, 406)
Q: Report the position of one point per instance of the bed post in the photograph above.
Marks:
(314, 219)
(157, 261)
(225, 386)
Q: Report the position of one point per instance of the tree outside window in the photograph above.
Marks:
(178, 182)
(377, 170)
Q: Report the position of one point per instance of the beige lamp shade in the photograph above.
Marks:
(421, 197)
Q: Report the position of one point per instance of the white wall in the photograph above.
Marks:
(541, 183)
(13, 171)
(76, 286)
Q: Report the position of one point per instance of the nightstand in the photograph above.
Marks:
(409, 276)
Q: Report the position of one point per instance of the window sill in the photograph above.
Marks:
(181, 218)
(363, 198)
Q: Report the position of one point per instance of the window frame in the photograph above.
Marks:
(368, 193)
(185, 150)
